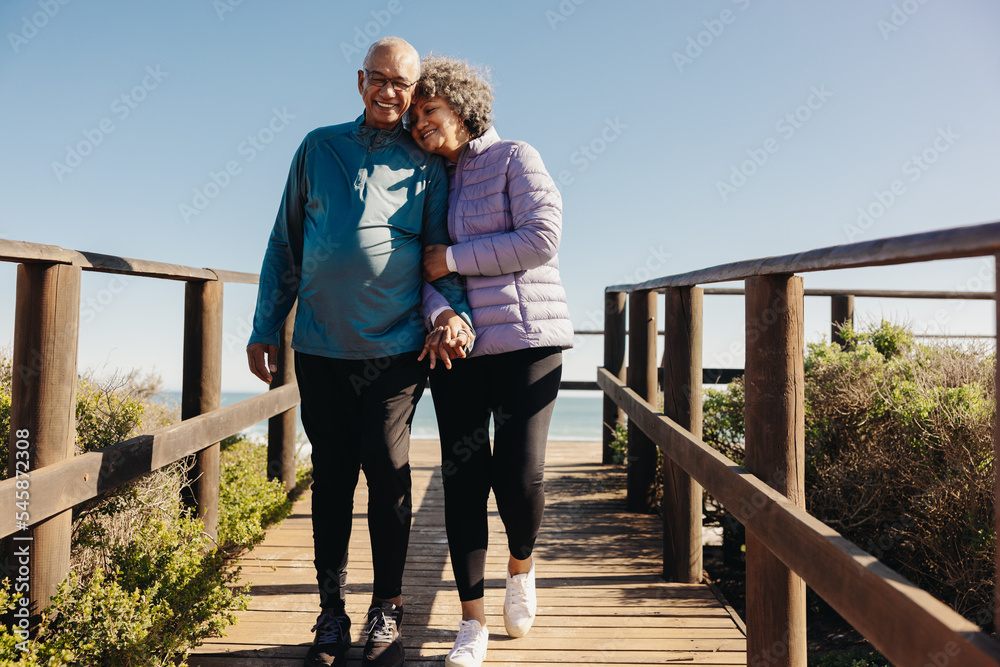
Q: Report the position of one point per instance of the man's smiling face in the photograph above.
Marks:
(396, 69)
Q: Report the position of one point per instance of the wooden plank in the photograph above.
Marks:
(775, 453)
(42, 420)
(440, 640)
(305, 602)
(278, 633)
(720, 375)
(648, 624)
(235, 276)
(614, 361)
(973, 241)
(444, 610)
(22, 251)
(502, 655)
(95, 261)
(578, 385)
(905, 623)
(249, 661)
(641, 372)
(64, 485)
(904, 294)
(871, 293)
(644, 624)
(287, 657)
(682, 398)
(443, 635)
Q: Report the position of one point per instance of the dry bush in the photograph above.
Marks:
(115, 408)
(112, 519)
(900, 457)
(110, 410)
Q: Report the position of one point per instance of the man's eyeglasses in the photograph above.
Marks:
(377, 80)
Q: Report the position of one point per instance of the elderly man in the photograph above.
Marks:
(360, 203)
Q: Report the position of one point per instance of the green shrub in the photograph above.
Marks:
(722, 421)
(620, 443)
(723, 428)
(164, 592)
(6, 382)
(161, 593)
(15, 648)
(248, 501)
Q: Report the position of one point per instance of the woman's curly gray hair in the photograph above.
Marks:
(463, 86)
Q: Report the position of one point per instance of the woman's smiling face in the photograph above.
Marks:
(437, 128)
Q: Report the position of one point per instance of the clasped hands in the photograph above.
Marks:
(448, 340)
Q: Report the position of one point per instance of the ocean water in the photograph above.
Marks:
(577, 415)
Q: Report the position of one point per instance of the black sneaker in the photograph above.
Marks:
(333, 638)
(384, 647)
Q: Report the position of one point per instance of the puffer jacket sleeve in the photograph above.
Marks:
(536, 209)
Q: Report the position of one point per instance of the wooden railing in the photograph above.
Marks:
(841, 312)
(44, 476)
(45, 480)
(786, 547)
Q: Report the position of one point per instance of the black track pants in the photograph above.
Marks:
(357, 416)
(518, 391)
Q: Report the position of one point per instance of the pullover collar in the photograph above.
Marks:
(373, 139)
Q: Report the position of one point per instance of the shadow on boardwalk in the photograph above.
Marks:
(600, 595)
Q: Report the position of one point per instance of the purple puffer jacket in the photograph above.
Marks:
(505, 219)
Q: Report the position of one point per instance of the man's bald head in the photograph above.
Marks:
(396, 43)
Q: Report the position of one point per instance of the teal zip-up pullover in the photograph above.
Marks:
(358, 208)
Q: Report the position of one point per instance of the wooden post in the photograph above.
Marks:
(682, 402)
(775, 453)
(614, 362)
(202, 389)
(43, 416)
(641, 470)
(841, 312)
(996, 443)
(282, 429)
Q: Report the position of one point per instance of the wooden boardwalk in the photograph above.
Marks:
(601, 599)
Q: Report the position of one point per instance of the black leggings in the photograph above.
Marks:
(518, 390)
(357, 415)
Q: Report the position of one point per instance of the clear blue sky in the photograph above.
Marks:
(641, 110)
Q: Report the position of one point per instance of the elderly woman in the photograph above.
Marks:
(504, 220)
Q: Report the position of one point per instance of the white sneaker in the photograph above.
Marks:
(520, 604)
(470, 647)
